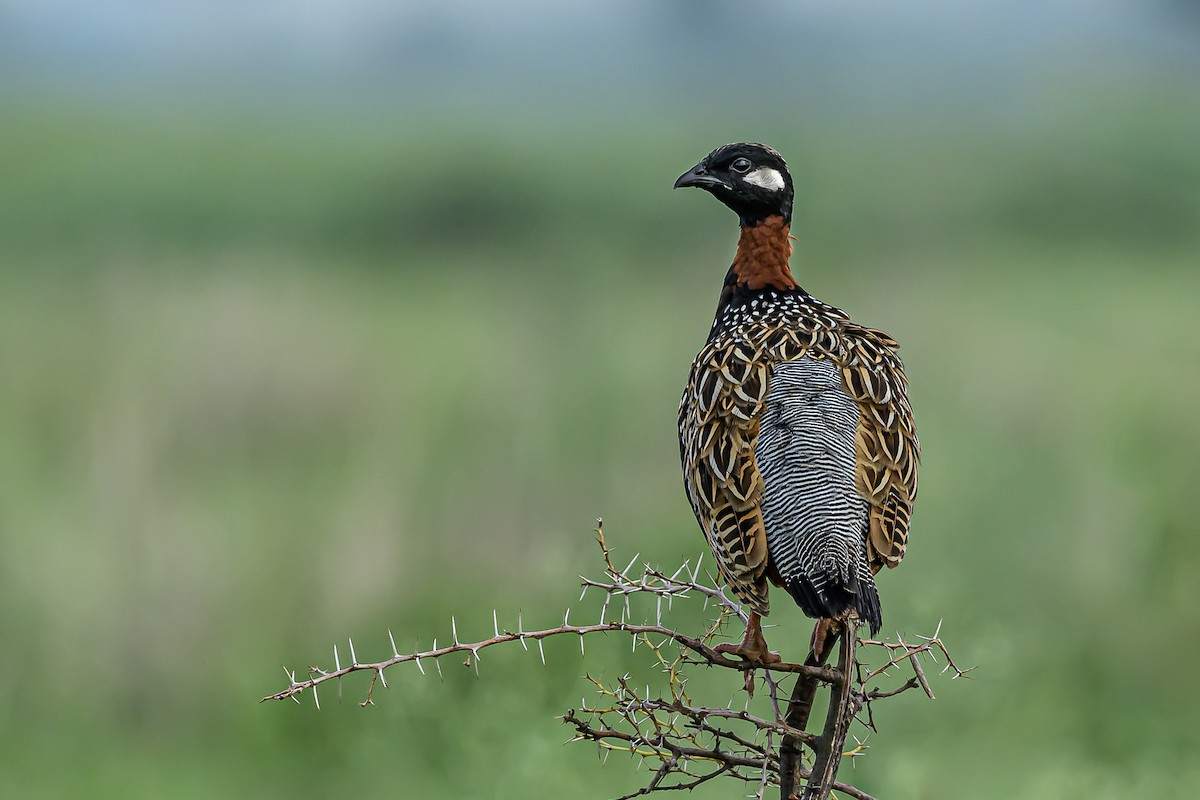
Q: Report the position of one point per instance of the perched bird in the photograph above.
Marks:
(796, 436)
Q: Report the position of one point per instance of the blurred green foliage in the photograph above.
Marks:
(269, 383)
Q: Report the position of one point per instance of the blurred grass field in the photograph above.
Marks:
(271, 383)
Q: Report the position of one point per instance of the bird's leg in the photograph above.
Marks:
(823, 636)
(753, 646)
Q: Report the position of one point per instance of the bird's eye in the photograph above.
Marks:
(741, 165)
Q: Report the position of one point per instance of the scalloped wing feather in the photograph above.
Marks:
(886, 444)
(718, 426)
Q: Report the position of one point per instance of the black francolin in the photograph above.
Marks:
(795, 432)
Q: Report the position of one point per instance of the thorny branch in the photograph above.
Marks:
(687, 743)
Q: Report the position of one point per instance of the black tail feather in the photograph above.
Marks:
(835, 597)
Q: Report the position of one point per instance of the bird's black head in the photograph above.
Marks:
(750, 178)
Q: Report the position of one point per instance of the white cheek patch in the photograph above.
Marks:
(765, 178)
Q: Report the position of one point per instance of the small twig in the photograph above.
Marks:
(709, 655)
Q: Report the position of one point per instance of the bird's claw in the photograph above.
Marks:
(754, 652)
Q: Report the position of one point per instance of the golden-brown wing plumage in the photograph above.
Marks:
(886, 444)
(719, 418)
(718, 427)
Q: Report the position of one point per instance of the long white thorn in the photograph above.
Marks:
(316, 699)
(420, 667)
(337, 662)
(353, 657)
(392, 639)
(542, 652)
(454, 629)
(382, 679)
(495, 624)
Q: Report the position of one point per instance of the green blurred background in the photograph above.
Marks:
(319, 319)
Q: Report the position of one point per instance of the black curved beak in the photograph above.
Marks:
(698, 176)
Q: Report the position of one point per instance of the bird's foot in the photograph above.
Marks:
(753, 653)
(753, 647)
(823, 636)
